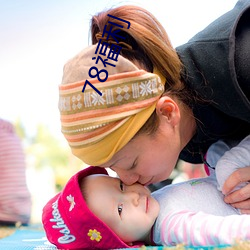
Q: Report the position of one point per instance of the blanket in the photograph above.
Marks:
(33, 238)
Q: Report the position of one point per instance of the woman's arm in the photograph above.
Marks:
(233, 175)
(232, 166)
(236, 158)
(240, 198)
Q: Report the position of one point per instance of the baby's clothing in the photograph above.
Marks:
(194, 212)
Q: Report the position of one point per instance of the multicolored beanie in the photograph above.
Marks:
(97, 126)
(69, 223)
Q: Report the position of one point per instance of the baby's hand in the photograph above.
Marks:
(240, 198)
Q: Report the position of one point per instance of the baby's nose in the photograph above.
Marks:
(133, 197)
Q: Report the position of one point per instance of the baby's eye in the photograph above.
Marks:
(120, 206)
(121, 186)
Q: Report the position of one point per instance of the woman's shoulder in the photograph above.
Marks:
(209, 65)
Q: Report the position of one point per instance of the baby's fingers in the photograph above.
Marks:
(245, 211)
(237, 177)
(239, 198)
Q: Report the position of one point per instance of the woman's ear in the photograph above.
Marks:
(168, 110)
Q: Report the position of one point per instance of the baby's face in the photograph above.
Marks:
(130, 211)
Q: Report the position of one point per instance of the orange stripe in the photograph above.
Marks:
(108, 111)
(110, 78)
(89, 135)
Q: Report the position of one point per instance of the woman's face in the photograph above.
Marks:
(147, 159)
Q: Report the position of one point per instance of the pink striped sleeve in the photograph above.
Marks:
(201, 229)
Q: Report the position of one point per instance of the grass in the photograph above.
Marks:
(239, 245)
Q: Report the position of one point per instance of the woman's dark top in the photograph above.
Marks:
(217, 67)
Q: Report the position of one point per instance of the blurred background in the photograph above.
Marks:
(36, 39)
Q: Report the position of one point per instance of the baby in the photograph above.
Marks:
(96, 211)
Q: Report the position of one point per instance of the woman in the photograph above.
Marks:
(158, 104)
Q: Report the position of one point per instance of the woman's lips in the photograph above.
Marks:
(148, 183)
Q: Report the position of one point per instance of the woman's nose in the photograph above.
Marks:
(126, 177)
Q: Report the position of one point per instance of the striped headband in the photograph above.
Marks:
(97, 126)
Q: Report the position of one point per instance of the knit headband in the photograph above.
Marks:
(97, 126)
